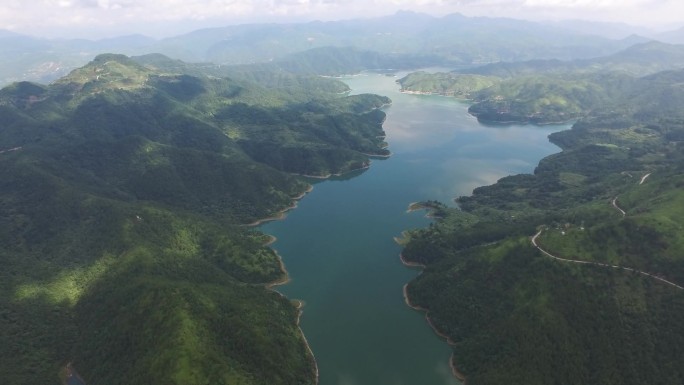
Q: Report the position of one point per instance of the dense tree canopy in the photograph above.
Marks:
(124, 188)
(519, 316)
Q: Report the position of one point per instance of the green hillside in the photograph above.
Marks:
(124, 190)
(551, 91)
(591, 314)
(448, 84)
(534, 98)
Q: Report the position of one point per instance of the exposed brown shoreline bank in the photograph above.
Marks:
(285, 278)
(331, 175)
(299, 305)
(454, 370)
(431, 93)
(281, 214)
(417, 206)
(300, 309)
(521, 122)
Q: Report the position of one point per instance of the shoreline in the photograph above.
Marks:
(454, 370)
(299, 307)
(429, 210)
(442, 94)
(417, 206)
(452, 365)
(286, 275)
(405, 235)
(281, 214)
(365, 167)
(377, 156)
(271, 240)
(328, 176)
(434, 328)
(520, 122)
(331, 175)
(285, 278)
(401, 240)
(300, 311)
(410, 263)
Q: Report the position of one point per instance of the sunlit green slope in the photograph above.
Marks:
(603, 302)
(124, 190)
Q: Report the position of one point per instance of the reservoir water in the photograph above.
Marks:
(338, 244)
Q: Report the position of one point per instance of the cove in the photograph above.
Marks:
(338, 244)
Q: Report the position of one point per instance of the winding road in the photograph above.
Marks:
(650, 275)
(618, 207)
(614, 203)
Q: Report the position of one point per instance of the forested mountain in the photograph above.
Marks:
(127, 184)
(453, 37)
(463, 86)
(401, 40)
(611, 30)
(637, 60)
(547, 91)
(124, 188)
(600, 300)
(674, 37)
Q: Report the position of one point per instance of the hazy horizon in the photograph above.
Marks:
(96, 19)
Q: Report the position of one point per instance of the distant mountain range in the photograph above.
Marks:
(447, 40)
(639, 59)
(675, 37)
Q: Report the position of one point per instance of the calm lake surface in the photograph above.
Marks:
(338, 244)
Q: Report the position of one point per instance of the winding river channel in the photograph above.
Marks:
(338, 244)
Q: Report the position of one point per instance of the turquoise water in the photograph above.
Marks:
(338, 244)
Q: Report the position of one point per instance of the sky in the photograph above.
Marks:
(160, 18)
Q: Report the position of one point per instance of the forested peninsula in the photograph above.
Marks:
(549, 91)
(126, 186)
(573, 274)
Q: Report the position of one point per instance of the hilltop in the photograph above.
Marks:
(125, 188)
